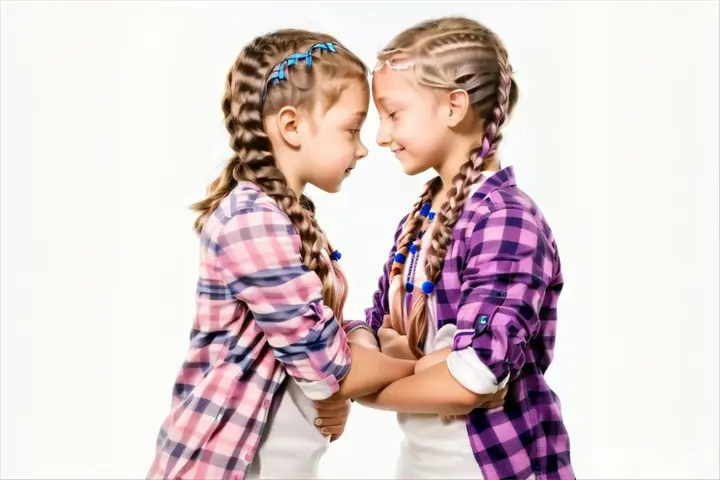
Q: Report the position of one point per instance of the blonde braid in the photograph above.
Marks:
(410, 230)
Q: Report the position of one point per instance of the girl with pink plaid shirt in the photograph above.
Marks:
(269, 340)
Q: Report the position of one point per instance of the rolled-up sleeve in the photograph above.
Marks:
(509, 264)
(259, 256)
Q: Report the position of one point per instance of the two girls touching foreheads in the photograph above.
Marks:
(461, 329)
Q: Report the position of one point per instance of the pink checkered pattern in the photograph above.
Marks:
(259, 317)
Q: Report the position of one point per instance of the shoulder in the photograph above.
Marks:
(247, 213)
(506, 207)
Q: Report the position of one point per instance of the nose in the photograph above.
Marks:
(383, 137)
(361, 152)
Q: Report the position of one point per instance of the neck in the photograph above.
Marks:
(296, 185)
(448, 169)
(293, 179)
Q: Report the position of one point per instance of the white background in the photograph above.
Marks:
(111, 127)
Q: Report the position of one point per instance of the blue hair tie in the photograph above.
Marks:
(427, 287)
(425, 210)
(280, 71)
(335, 256)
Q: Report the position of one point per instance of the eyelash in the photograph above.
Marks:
(392, 115)
(354, 132)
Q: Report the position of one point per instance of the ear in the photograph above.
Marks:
(458, 105)
(287, 124)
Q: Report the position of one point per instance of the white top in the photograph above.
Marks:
(433, 449)
(291, 446)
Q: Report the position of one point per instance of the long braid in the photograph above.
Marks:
(410, 230)
(253, 159)
(458, 53)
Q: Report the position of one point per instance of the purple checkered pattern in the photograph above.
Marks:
(259, 317)
(500, 285)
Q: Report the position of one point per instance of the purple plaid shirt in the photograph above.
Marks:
(500, 284)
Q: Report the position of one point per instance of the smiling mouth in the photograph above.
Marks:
(398, 151)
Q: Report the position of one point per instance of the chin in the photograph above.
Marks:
(413, 169)
(330, 188)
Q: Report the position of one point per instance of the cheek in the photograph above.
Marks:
(333, 153)
(415, 133)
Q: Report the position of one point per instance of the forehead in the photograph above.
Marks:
(389, 85)
(354, 97)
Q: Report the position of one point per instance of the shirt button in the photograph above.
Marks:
(266, 403)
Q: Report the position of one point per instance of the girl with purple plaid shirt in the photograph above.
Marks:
(268, 337)
(472, 282)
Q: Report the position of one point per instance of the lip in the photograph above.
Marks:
(397, 150)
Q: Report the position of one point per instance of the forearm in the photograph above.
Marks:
(431, 391)
(371, 371)
(432, 359)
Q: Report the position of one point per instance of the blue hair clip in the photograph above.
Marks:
(280, 71)
(335, 256)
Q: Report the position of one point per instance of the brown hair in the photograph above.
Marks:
(451, 53)
(249, 97)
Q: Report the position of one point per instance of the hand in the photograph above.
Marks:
(332, 417)
(495, 400)
(388, 337)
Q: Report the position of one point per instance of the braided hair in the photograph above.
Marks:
(249, 98)
(451, 53)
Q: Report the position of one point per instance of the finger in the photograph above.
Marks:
(493, 404)
(335, 437)
(330, 421)
(330, 431)
(332, 404)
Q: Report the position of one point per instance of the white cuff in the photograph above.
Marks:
(471, 373)
(319, 389)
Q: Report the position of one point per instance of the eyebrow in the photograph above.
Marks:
(386, 101)
(359, 114)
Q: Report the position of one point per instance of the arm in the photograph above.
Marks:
(393, 344)
(432, 359)
(430, 391)
(259, 256)
(503, 283)
(510, 263)
(375, 315)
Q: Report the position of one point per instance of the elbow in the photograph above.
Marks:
(464, 403)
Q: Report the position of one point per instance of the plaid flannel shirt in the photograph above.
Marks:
(500, 284)
(259, 317)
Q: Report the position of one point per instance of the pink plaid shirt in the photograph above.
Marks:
(260, 316)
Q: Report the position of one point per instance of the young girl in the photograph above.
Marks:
(472, 283)
(266, 340)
